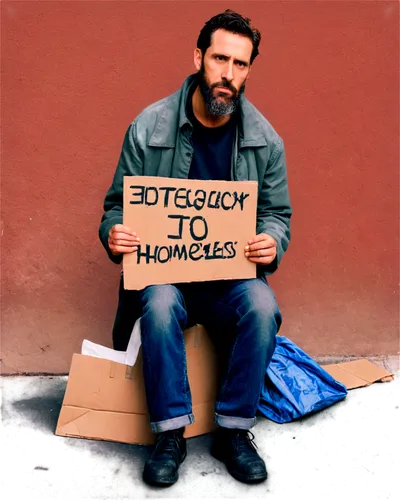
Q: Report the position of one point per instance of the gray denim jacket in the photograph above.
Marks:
(158, 143)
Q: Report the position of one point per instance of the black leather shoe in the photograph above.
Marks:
(161, 468)
(235, 447)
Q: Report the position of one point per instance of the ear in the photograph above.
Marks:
(198, 56)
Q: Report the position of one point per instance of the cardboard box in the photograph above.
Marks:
(358, 373)
(106, 400)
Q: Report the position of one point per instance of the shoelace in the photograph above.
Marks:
(169, 443)
(243, 440)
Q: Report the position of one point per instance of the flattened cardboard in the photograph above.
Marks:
(358, 373)
(207, 244)
(105, 400)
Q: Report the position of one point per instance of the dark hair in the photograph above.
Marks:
(233, 22)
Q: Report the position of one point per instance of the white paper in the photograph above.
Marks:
(127, 357)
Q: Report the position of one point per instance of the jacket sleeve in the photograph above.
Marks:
(274, 208)
(130, 163)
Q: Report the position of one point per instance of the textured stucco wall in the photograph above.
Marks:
(75, 74)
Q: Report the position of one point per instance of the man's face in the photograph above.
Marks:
(223, 71)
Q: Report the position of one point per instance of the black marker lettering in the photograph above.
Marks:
(225, 207)
(180, 252)
(206, 250)
(194, 248)
(200, 199)
(217, 251)
(241, 199)
(146, 254)
(167, 255)
(189, 204)
(180, 227)
(191, 228)
(155, 196)
(179, 196)
(139, 193)
(229, 246)
(217, 198)
(138, 254)
(166, 194)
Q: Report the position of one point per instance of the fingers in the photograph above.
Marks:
(256, 238)
(261, 246)
(123, 246)
(123, 243)
(119, 230)
(118, 250)
(261, 249)
(262, 260)
(120, 227)
(262, 240)
(263, 252)
(265, 256)
(121, 239)
(128, 238)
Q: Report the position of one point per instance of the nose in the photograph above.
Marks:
(228, 71)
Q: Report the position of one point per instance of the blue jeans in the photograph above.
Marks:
(241, 316)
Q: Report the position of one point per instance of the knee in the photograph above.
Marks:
(264, 311)
(162, 303)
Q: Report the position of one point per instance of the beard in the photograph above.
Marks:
(219, 104)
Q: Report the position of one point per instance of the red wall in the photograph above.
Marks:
(76, 73)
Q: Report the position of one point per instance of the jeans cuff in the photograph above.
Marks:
(172, 423)
(235, 422)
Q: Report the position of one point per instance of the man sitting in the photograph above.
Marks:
(207, 130)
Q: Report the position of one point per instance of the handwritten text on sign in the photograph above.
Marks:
(189, 230)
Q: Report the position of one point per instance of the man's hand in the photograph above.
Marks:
(122, 239)
(261, 249)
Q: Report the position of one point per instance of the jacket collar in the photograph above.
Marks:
(174, 110)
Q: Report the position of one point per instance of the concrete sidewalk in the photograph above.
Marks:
(346, 452)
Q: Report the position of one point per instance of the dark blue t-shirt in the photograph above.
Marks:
(212, 149)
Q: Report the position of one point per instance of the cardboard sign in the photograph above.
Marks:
(189, 230)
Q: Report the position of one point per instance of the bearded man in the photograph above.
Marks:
(206, 130)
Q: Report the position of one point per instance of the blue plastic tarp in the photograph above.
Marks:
(295, 385)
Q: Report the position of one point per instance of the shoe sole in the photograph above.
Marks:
(255, 478)
(163, 481)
